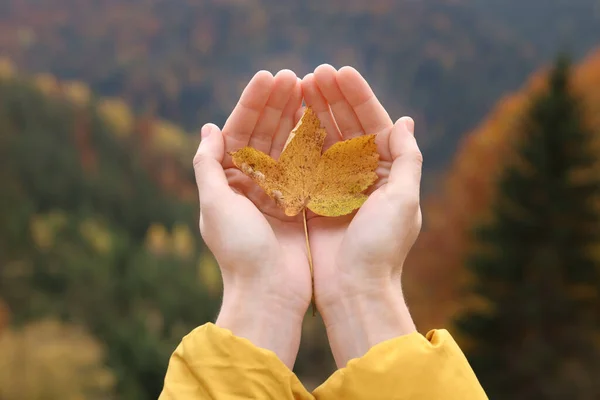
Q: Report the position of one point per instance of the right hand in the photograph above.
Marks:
(358, 258)
(260, 251)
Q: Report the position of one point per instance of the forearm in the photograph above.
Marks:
(264, 318)
(361, 319)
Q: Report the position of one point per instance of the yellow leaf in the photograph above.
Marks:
(329, 185)
(343, 173)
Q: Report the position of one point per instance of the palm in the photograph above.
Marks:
(271, 231)
(345, 241)
(249, 190)
(260, 230)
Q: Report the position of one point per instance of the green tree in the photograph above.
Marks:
(536, 336)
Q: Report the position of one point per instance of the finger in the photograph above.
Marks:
(299, 115)
(346, 119)
(372, 116)
(287, 121)
(266, 127)
(315, 99)
(405, 176)
(245, 115)
(210, 177)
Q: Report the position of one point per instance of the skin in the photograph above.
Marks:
(262, 253)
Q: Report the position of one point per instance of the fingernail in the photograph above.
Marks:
(206, 130)
(409, 123)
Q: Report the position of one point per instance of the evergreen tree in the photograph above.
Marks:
(532, 264)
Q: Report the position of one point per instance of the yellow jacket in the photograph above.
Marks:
(212, 363)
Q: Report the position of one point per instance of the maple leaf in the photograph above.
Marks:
(331, 184)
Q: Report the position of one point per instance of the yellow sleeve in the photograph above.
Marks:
(409, 367)
(212, 363)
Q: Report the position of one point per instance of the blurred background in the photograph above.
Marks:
(102, 268)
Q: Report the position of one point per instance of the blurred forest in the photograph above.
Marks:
(93, 222)
(515, 275)
(469, 190)
(99, 246)
(533, 262)
(445, 62)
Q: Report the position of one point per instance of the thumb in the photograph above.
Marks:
(405, 176)
(210, 177)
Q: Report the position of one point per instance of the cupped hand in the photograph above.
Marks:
(260, 251)
(360, 256)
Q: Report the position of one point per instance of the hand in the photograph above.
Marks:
(358, 258)
(261, 252)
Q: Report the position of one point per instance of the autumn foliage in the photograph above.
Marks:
(436, 264)
(98, 226)
(444, 62)
(534, 272)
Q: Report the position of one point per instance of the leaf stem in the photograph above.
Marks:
(310, 263)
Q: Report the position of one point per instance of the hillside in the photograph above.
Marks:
(92, 235)
(438, 276)
(443, 61)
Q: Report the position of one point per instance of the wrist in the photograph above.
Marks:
(267, 318)
(363, 316)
